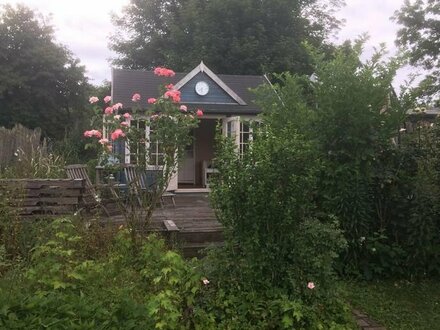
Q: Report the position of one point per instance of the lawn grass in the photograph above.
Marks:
(398, 305)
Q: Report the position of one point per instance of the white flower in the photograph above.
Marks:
(205, 281)
(402, 130)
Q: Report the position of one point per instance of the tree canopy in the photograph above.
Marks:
(420, 37)
(231, 36)
(41, 83)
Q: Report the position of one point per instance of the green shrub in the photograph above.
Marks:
(277, 241)
(125, 288)
(383, 185)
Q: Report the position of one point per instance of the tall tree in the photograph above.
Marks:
(41, 83)
(231, 36)
(420, 37)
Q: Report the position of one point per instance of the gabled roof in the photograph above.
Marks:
(203, 68)
(127, 82)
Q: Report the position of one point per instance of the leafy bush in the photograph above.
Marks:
(380, 182)
(125, 287)
(277, 241)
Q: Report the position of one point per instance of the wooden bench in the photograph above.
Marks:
(43, 197)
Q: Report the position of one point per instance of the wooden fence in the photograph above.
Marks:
(16, 141)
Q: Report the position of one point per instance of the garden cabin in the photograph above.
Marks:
(224, 99)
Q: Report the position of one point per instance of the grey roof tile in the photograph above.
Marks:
(127, 82)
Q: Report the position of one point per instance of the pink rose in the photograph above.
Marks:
(103, 141)
(93, 99)
(117, 134)
(164, 72)
(136, 97)
(151, 100)
(107, 99)
(125, 124)
(311, 285)
(108, 111)
(169, 86)
(199, 113)
(92, 133)
(173, 94)
(117, 117)
(126, 115)
(117, 106)
(183, 108)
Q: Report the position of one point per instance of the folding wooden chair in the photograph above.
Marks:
(91, 197)
(144, 181)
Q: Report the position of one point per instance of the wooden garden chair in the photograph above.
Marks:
(91, 197)
(140, 182)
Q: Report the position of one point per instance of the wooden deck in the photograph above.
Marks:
(195, 220)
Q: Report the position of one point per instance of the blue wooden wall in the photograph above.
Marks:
(215, 95)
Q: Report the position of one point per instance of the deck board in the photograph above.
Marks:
(193, 216)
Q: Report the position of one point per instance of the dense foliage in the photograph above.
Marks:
(232, 36)
(377, 179)
(279, 249)
(94, 278)
(420, 37)
(42, 84)
(67, 285)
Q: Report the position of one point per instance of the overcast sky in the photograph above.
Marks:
(84, 27)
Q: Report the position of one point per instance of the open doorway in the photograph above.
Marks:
(198, 156)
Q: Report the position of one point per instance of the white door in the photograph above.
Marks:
(231, 129)
(240, 131)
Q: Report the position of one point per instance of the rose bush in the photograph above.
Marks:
(169, 126)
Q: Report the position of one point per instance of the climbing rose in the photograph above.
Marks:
(199, 113)
(117, 106)
(92, 133)
(117, 133)
(175, 95)
(107, 99)
(151, 100)
(93, 99)
(117, 117)
(126, 115)
(164, 72)
(311, 285)
(136, 97)
(103, 141)
(169, 86)
(183, 108)
(124, 123)
(108, 110)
